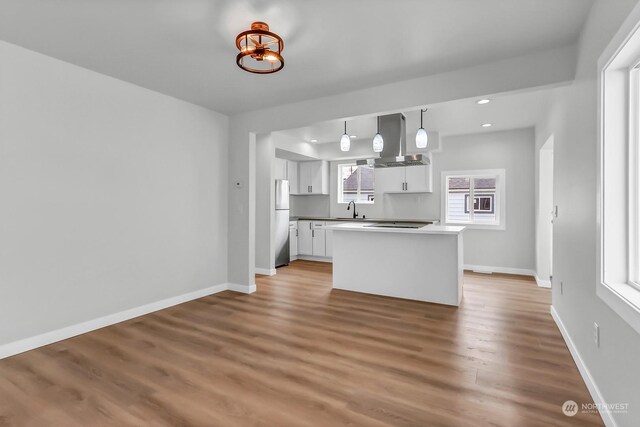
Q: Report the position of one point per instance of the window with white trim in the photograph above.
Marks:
(474, 198)
(618, 267)
(355, 183)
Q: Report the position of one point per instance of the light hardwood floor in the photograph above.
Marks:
(298, 353)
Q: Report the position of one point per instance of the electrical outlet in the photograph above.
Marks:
(596, 334)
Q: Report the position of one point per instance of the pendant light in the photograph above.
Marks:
(345, 141)
(421, 136)
(378, 141)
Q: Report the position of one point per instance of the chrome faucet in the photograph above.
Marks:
(355, 214)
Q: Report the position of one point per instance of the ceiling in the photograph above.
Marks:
(466, 116)
(185, 48)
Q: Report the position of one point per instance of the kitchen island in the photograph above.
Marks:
(424, 264)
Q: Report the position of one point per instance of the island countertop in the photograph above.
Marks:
(365, 227)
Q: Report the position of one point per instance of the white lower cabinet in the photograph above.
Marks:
(319, 239)
(305, 238)
(293, 240)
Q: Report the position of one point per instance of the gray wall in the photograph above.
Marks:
(113, 196)
(572, 120)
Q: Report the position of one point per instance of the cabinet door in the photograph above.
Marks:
(319, 239)
(328, 244)
(280, 169)
(319, 172)
(389, 180)
(304, 177)
(292, 176)
(305, 239)
(418, 179)
(293, 243)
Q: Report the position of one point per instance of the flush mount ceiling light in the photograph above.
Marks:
(483, 101)
(314, 140)
(345, 141)
(260, 50)
(487, 125)
(421, 136)
(378, 141)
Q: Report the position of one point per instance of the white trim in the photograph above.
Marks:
(51, 337)
(500, 197)
(265, 271)
(617, 136)
(315, 258)
(543, 283)
(504, 270)
(245, 289)
(596, 395)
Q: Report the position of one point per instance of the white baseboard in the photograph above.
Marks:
(543, 283)
(505, 270)
(245, 289)
(315, 258)
(266, 271)
(47, 338)
(584, 371)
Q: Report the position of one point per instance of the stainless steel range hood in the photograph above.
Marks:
(393, 128)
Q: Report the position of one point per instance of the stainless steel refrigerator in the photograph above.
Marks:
(282, 222)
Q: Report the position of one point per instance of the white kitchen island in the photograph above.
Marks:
(424, 264)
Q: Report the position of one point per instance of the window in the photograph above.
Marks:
(355, 183)
(618, 267)
(484, 187)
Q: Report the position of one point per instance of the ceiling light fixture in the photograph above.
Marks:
(422, 139)
(487, 125)
(352, 136)
(345, 141)
(260, 50)
(483, 101)
(314, 140)
(378, 141)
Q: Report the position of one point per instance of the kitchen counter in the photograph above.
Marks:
(366, 227)
(424, 264)
(367, 220)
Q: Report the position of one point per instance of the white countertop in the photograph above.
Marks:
(427, 229)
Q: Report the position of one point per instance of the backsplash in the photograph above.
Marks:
(309, 205)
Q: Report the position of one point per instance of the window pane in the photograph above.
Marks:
(357, 184)
(484, 191)
(458, 199)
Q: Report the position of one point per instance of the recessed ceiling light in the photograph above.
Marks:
(314, 140)
(487, 125)
(352, 136)
(483, 101)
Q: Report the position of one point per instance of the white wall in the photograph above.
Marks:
(614, 365)
(265, 202)
(112, 196)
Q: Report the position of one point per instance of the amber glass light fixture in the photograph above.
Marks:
(260, 50)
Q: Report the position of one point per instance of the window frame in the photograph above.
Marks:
(499, 199)
(618, 185)
(340, 192)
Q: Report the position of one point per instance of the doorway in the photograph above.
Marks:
(544, 255)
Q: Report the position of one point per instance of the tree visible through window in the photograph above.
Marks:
(356, 183)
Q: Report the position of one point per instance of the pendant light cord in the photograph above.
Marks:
(421, 112)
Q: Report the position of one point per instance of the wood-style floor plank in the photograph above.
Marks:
(298, 353)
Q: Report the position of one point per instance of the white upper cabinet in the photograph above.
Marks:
(313, 177)
(408, 179)
(292, 176)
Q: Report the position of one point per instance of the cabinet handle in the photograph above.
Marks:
(296, 232)
(309, 226)
(406, 186)
(313, 233)
(311, 189)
